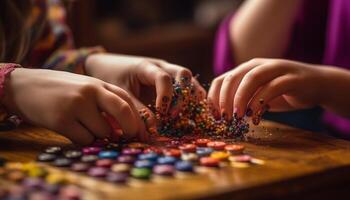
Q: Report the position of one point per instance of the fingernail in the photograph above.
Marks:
(249, 112)
(235, 112)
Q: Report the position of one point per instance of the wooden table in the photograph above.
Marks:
(299, 165)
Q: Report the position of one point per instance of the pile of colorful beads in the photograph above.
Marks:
(32, 181)
(118, 163)
(194, 116)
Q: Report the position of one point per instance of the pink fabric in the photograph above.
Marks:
(5, 70)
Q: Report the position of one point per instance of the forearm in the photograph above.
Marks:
(262, 28)
(336, 89)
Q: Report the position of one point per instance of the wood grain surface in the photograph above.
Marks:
(298, 165)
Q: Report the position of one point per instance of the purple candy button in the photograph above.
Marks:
(98, 172)
(132, 151)
(116, 177)
(164, 170)
(126, 159)
(91, 150)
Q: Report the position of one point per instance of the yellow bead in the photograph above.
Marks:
(37, 172)
(55, 178)
(220, 155)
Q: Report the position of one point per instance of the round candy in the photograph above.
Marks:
(188, 148)
(164, 170)
(220, 155)
(73, 154)
(91, 150)
(33, 183)
(209, 162)
(172, 152)
(55, 178)
(192, 157)
(204, 151)
(240, 158)
(126, 159)
(217, 145)
(121, 167)
(53, 150)
(153, 150)
(89, 158)
(166, 160)
(202, 142)
(148, 156)
(37, 172)
(234, 149)
(97, 172)
(70, 192)
(116, 177)
(131, 151)
(144, 164)
(46, 157)
(141, 173)
(184, 166)
(108, 154)
(62, 162)
(80, 166)
(107, 163)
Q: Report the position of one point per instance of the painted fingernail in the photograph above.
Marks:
(249, 112)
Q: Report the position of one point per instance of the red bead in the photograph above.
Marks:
(202, 142)
(234, 148)
(188, 148)
(217, 145)
(209, 162)
(172, 152)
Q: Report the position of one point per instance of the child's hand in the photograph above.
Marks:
(71, 104)
(133, 73)
(281, 85)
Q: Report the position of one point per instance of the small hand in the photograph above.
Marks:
(137, 74)
(71, 104)
(258, 84)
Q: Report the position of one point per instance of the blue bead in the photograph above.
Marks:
(148, 156)
(166, 160)
(108, 154)
(184, 166)
(204, 151)
(144, 164)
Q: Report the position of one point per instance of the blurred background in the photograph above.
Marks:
(179, 31)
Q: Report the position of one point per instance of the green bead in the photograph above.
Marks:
(141, 173)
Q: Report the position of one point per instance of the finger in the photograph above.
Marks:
(148, 118)
(151, 74)
(213, 95)
(121, 111)
(77, 133)
(181, 74)
(129, 99)
(250, 84)
(92, 119)
(272, 90)
(230, 85)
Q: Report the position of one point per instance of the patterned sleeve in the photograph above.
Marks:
(55, 47)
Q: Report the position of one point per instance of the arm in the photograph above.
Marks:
(262, 28)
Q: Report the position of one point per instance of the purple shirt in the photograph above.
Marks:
(321, 35)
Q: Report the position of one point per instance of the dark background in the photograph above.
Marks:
(179, 31)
